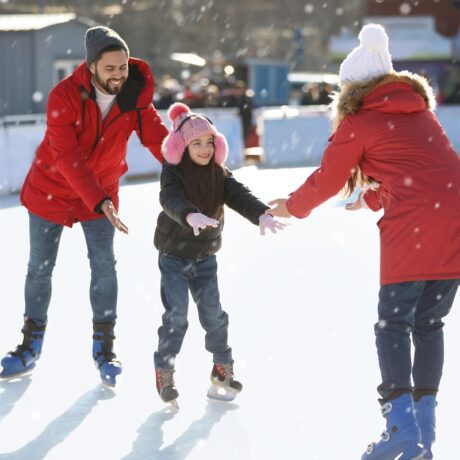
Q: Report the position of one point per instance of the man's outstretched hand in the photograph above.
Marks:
(111, 213)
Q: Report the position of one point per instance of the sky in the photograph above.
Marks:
(302, 304)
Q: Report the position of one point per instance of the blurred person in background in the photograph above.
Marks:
(167, 91)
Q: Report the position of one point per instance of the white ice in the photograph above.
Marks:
(302, 305)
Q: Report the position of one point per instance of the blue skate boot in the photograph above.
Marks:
(402, 434)
(22, 360)
(425, 409)
(103, 355)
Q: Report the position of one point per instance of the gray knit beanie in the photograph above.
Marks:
(98, 38)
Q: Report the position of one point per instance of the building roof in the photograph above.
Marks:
(23, 22)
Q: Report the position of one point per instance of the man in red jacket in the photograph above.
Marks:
(75, 179)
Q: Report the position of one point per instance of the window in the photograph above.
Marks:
(63, 68)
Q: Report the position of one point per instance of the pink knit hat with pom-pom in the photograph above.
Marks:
(187, 126)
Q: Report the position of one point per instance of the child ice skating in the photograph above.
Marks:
(387, 139)
(194, 188)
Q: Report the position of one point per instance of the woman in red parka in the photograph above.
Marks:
(75, 178)
(387, 139)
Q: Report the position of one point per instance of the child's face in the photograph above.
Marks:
(201, 149)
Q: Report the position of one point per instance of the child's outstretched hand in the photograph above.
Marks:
(279, 209)
(266, 221)
(199, 221)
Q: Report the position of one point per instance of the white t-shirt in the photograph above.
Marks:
(104, 101)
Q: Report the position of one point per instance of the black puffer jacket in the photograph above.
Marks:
(174, 236)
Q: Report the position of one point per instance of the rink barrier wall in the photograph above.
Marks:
(289, 136)
(20, 136)
(293, 136)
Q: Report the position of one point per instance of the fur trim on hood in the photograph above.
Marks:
(351, 96)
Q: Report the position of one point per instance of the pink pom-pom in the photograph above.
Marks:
(176, 109)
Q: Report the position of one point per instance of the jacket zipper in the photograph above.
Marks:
(97, 129)
(97, 135)
(98, 138)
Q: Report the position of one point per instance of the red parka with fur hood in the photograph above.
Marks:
(82, 157)
(388, 129)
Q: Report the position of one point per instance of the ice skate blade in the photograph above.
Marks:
(173, 405)
(110, 381)
(219, 393)
(107, 384)
(5, 376)
(419, 457)
(111, 378)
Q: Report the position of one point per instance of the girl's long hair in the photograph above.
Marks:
(204, 185)
(357, 179)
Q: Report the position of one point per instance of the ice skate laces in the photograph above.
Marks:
(224, 371)
(20, 353)
(385, 436)
(386, 409)
(26, 346)
(106, 351)
(165, 378)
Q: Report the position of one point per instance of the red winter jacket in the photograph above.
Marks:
(81, 158)
(388, 130)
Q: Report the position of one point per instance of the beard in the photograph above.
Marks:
(106, 85)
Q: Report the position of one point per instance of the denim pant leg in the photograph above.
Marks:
(435, 303)
(174, 295)
(99, 234)
(205, 292)
(396, 309)
(44, 244)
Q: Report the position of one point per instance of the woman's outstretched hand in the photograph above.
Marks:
(266, 221)
(358, 204)
(279, 209)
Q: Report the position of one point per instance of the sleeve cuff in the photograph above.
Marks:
(98, 207)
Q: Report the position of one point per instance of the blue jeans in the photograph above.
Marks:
(412, 310)
(178, 275)
(44, 244)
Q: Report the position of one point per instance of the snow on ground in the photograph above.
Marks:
(302, 306)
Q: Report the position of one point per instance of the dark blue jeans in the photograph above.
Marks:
(412, 310)
(44, 244)
(178, 275)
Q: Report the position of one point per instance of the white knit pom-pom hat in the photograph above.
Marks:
(187, 126)
(370, 59)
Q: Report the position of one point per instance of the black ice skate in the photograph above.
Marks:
(224, 386)
(166, 387)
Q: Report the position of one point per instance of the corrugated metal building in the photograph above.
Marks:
(36, 51)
